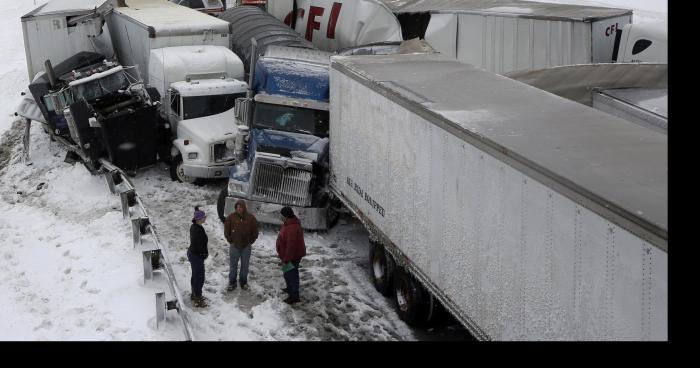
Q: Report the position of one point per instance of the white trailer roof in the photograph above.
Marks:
(167, 18)
(651, 99)
(617, 168)
(575, 82)
(65, 6)
(514, 8)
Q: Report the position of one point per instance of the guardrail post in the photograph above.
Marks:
(139, 226)
(113, 178)
(160, 309)
(163, 306)
(152, 260)
(128, 199)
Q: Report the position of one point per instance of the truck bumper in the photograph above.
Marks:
(312, 218)
(203, 171)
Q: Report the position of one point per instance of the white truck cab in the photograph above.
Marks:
(645, 42)
(198, 86)
(202, 120)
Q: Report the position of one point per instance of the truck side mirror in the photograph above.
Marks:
(241, 110)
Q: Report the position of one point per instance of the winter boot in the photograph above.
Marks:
(291, 300)
(200, 303)
(244, 286)
(231, 287)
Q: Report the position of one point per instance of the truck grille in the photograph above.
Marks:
(281, 180)
(222, 154)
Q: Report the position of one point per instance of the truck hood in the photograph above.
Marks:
(282, 143)
(210, 128)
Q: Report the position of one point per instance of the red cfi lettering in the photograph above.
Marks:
(314, 11)
(335, 11)
(288, 19)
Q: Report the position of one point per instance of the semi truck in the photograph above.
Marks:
(526, 215)
(497, 35)
(185, 55)
(98, 109)
(284, 159)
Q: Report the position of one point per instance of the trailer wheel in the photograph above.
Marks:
(379, 269)
(177, 172)
(221, 203)
(410, 298)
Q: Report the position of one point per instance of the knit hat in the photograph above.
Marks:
(287, 212)
(198, 215)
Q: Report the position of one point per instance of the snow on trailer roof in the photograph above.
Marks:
(168, 18)
(618, 168)
(65, 6)
(652, 99)
(524, 9)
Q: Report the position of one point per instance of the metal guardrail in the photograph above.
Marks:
(154, 258)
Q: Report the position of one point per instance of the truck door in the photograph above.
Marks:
(175, 108)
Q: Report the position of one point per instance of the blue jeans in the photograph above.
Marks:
(197, 280)
(234, 255)
(291, 277)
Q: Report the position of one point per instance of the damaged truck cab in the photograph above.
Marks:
(285, 160)
(99, 109)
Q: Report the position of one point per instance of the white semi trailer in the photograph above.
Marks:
(184, 54)
(526, 215)
(60, 29)
(497, 35)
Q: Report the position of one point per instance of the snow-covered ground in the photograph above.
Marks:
(69, 271)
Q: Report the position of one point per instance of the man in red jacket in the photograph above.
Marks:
(291, 249)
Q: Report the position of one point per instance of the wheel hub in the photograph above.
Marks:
(402, 298)
(378, 267)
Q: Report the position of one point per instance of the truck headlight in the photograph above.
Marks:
(192, 155)
(237, 187)
(230, 144)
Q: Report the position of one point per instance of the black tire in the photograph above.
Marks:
(379, 269)
(176, 173)
(411, 299)
(221, 203)
(332, 217)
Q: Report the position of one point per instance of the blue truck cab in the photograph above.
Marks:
(283, 132)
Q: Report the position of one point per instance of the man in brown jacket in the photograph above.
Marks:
(241, 231)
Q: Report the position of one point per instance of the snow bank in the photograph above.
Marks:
(69, 269)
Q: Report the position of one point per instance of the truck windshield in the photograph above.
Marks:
(199, 106)
(100, 87)
(291, 119)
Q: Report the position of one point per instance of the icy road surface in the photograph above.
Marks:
(70, 271)
(338, 300)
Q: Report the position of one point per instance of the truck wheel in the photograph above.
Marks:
(221, 203)
(177, 172)
(379, 269)
(332, 217)
(410, 298)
